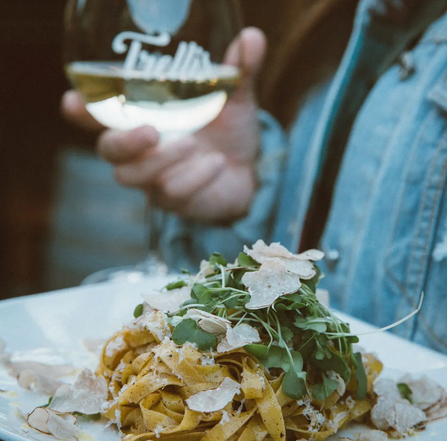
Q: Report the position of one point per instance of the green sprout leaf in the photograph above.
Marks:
(279, 358)
(405, 392)
(259, 351)
(85, 417)
(246, 261)
(230, 304)
(361, 377)
(312, 283)
(49, 402)
(202, 294)
(176, 285)
(217, 259)
(311, 323)
(294, 384)
(334, 363)
(188, 330)
(322, 350)
(324, 390)
(287, 335)
(296, 300)
(138, 311)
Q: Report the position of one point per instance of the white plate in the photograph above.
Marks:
(62, 321)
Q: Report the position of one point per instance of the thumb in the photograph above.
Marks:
(74, 110)
(247, 52)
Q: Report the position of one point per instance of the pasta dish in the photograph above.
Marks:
(243, 351)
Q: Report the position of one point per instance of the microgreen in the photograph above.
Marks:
(246, 261)
(85, 417)
(294, 385)
(335, 363)
(405, 391)
(188, 330)
(217, 259)
(361, 377)
(314, 323)
(49, 402)
(259, 351)
(325, 389)
(287, 334)
(297, 332)
(201, 293)
(138, 311)
(280, 358)
(176, 285)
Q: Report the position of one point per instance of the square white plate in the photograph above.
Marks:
(62, 321)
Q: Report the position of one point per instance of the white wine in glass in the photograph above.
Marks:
(152, 62)
(174, 107)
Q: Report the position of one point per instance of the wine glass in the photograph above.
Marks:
(152, 62)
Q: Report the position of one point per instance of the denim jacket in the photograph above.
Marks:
(385, 236)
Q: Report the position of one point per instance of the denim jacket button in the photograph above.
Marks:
(331, 258)
(407, 67)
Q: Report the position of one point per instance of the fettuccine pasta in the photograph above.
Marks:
(151, 378)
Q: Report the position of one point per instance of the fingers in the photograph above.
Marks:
(186, 178)
(74, 110)
(224, 196)
(247, 52)
(118, 147)
(143, 170)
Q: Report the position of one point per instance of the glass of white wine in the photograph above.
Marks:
(151, 62)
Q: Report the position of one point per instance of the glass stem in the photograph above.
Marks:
(154, 264)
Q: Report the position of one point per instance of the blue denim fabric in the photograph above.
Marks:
(385, 237)
(388, 214)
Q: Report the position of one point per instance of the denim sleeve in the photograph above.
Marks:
(184, 244)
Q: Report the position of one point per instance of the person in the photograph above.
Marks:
(360, 172)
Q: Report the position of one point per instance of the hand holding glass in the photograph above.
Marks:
(152, 62)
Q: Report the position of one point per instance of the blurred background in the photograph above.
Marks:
(62, 216)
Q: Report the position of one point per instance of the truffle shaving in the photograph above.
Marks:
(272, 281)
(60, 425)
(86, 395)
(214, 399)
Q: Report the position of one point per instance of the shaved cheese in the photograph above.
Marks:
(261, 252)
(208, 322)
(387, 389)
(425, 392)
(214, 399)
(341, 383)
(312, 254)
(60, 425)
(28, 379)
(51, 371)
(297, 263)
(167, 301)
(116, 345)
(401, 416)
(206, 269)
(155, 322)
(272, 281)
(238, 337)
(438, 410)
(86, 395)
